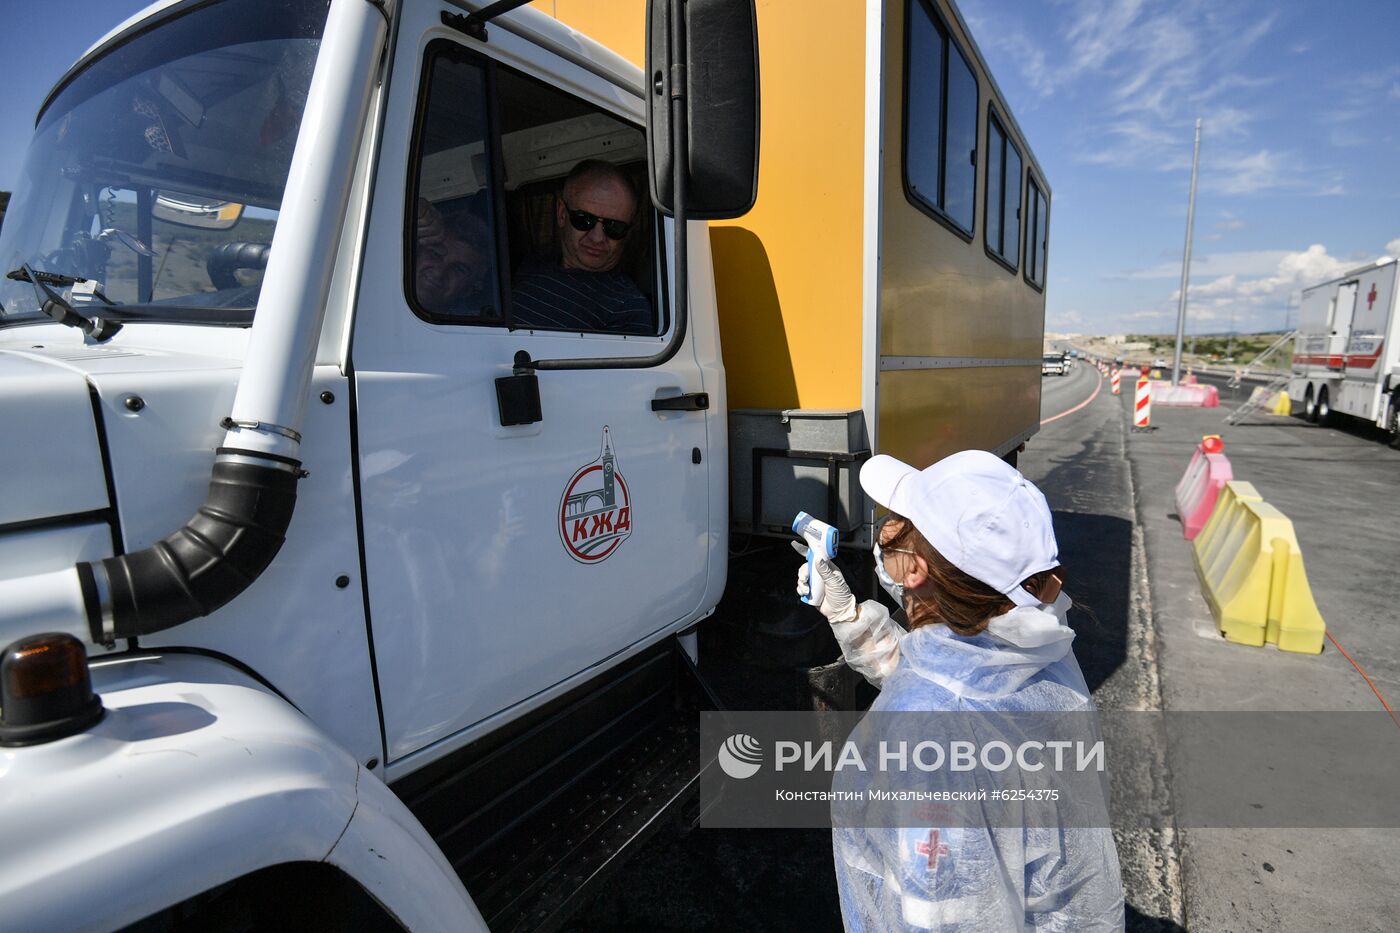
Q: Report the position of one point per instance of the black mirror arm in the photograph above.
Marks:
(474, 24)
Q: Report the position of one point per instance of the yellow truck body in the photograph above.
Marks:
(839, 291)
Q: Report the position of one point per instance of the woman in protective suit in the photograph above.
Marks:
(969, 551)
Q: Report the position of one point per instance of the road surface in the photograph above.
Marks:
(1144, 640)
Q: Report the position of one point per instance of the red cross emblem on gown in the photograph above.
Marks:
(933, 849)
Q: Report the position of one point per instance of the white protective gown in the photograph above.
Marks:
(981, 878)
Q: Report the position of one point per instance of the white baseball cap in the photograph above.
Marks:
(976, 510)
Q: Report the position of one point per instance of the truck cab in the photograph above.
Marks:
(341, 552)
(265, 270)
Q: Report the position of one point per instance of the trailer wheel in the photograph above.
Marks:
(1309, 404)
(1392, 421)
(1324, 407)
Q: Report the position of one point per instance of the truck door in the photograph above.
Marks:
(1341, 324)
(502, 559)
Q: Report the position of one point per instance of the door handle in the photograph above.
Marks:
(692, 401)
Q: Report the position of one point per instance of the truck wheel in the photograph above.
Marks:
(1309, 404)
(1324, 407)
(1392, 421)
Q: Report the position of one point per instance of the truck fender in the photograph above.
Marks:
(198, 775)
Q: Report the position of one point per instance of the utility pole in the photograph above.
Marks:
(1186, 260)
(1230, 338)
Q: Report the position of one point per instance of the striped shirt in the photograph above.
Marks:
(545, 294)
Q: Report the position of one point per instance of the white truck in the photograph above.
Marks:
(1346, 356)
(425, 655)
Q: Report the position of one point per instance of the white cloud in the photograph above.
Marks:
(1228, 223)
(1065, 319)
(1138, 142)
(1253, 302)
(1248, 291)
(1241, 263)
(1155, 65)
(1350, 118)
(1267, 170)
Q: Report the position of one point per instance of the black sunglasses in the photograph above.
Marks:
(584, 221)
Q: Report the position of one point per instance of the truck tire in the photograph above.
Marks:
(1392, 421)
(1309, 404)
(1324, 407)
(291, 896)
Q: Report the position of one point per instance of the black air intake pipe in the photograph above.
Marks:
(229, 542)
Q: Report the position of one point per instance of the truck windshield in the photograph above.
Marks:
(156, 172)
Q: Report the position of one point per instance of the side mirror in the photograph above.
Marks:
(192, 211)
(719, 52)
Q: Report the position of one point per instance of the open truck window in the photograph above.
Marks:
(488, 219)
(940, 118)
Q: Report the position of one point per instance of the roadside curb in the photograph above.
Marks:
(1156, 853)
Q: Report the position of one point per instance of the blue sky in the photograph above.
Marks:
(1300, 145)
(1300, 103)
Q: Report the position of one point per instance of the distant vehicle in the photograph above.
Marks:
(1346, 356)
(1160, 363)
(1053, 364)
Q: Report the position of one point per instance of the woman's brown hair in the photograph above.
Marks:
(953, 597)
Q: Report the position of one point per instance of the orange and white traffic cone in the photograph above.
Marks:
(1142, 405)
(1117, 388)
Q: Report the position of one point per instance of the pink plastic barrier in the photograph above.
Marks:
(1184, 396)
(1205, 476)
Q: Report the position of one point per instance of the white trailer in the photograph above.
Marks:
(1346, 357)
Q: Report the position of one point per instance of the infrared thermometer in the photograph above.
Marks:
(821, 541)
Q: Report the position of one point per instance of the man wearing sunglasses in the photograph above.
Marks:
(581, 288)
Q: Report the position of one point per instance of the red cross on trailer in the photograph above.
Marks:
(1371, 298)
(933, 849)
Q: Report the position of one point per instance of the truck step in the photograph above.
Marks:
(538, 813)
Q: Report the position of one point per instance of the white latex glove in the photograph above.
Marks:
(838, 603)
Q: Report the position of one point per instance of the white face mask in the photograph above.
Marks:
(1060, 607)
(887, 582)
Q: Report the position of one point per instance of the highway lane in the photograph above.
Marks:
(1052, 395)
(781, 880)
(1080, 461)
(1152, 643)
(1337, 486)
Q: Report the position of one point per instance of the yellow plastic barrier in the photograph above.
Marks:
(1252, 574)
(1275, 402)
(1205, 544)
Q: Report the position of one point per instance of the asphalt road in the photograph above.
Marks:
(1145, 640)
(1337, 485)
(765, 880)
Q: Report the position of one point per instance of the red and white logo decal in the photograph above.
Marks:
(932, 849)
(595, 512)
